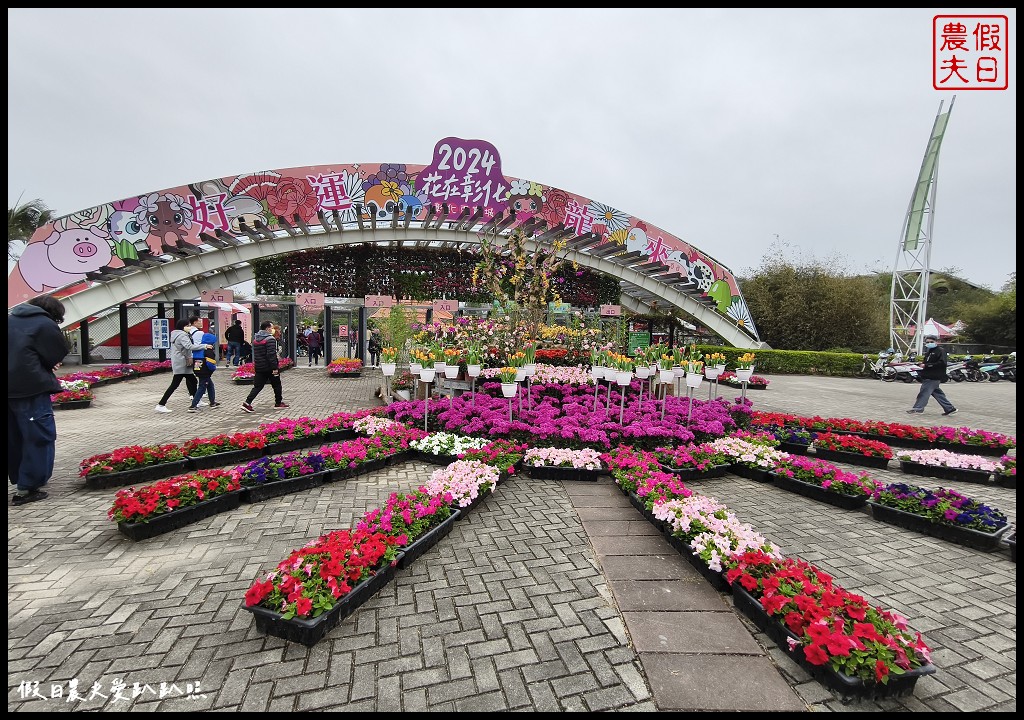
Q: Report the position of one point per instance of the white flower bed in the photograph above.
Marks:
(748, 453)
(372, 424)
(443, 443)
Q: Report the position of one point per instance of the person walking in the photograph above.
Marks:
(36, 346)
(199, 352)
(932, 373)
(181, 351)
(314, 345)
(235, 336)
(374, 347)
(204, 370)
(265, 363)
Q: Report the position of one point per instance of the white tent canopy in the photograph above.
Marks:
(934, 327)
(230, 307)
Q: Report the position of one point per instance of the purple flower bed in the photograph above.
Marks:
(564, 415)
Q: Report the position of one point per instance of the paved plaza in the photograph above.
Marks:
(549, 596)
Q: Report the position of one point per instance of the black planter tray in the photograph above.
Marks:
(140, 475)
(72, 404)
(816, 492)
(475, 503)
(433, 459)
(228, 457)
(339, 435)
(357, 373)
(398, 458)
(336, 474)
(309, 631)
(946, 473)
(547, 472)
(427, 540)
(637, 502)
(1007, 481)
(243, 381)
(794, 448)
(851, 458)
(911, 443)
(968, 537)
(259, 493)
(847, 687)
(1012, 543)
(966, 449)
(695, 474)
(160, 524)
(750, 473)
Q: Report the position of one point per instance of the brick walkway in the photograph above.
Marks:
(544, 598)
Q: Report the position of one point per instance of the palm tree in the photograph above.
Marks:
(22, 220)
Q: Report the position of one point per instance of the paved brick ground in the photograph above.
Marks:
(511, 611)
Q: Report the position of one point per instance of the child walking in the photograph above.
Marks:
(204, 369)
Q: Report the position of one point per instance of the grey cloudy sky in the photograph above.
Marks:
(725, 127)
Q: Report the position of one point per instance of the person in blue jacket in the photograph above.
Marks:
(204, 368)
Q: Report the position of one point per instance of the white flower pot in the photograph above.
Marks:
(531, 369)
(451, 371)
(596, 372)
(666, 376)
(388, 368)
(415, 368)
(623, 377)
(440, 365)
(473, 370)
(402, 394)
(654, 368)
(520, 374)
(427, 374)
(678, 371)
(712, 373)
(743, 374)
(693, 380)
(509, 389)
(720, 367)
(643, 372)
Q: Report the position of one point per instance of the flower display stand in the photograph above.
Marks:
(135, 476)
(427, 540)
(761, 475)
(434, 458)
(692, 473)
(986, 542)
(552, 472)
(167, 522)
(816, 492)
(946, 473)
(72, 405)
(266, 491)
(309, 631)
(847, 687)
(851, 458)
(344, 473)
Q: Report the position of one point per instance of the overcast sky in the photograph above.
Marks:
(727, 128)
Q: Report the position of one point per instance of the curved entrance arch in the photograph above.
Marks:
(203, 236)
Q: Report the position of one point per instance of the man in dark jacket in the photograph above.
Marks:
(35, 349)
(265, 362)
(932, 373)
(235, 336)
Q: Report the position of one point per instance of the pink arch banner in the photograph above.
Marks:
(462, 174)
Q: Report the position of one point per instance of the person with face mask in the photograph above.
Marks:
(932, 373)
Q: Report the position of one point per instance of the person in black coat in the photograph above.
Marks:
(932, 374)
(35, 349)
(266, 365)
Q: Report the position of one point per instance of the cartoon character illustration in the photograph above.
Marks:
(410, 202)
(125, 231)
(237, 208)
(525, 199)
(721, 294)
(380, 200)
(636, 240)
(701, 274)
(678, 262)
(64, 258)
(164, 218)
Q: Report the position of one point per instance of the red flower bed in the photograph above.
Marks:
(128, 458)
(852, 444)
(139, 504)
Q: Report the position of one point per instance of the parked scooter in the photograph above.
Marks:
(875, 368)
(903, 371)
(955, 371)
(973, 371)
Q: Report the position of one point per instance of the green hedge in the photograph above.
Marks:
(793, 362)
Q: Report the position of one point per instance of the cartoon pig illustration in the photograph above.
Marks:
(64, 257)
